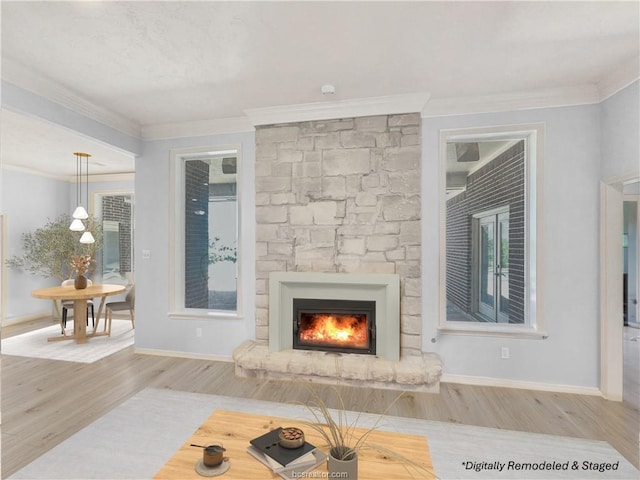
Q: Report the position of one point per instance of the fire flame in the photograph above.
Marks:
(343, 330)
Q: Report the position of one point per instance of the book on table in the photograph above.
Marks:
(284, 461)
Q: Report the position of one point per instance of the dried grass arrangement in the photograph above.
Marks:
(81, 263)
(343, 438)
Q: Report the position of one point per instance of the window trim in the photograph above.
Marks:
(177, 158)
(533, 135)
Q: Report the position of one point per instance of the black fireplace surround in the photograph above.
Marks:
(359, 311)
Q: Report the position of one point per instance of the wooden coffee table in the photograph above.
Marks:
(234, 430)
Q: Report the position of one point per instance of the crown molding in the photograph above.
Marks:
(556, 97)
(106, 177)
(23, 77)
(197, 128)
(111, 177)
(360, 107)
(619, 78)
(36, 172)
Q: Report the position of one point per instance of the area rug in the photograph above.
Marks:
(35, 344)
(137, 438)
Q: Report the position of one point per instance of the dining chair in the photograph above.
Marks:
(68, 305)
(127, 304)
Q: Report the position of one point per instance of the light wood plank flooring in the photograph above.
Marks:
(44, 402)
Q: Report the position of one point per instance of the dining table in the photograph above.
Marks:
(80, 297)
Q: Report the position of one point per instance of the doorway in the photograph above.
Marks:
(492, 265)
(613, 292)
(630, 260)
(3, 297)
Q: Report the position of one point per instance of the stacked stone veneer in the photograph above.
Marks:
(341, 196)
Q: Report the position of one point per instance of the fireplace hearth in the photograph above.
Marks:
(346, 326)
(277, 358)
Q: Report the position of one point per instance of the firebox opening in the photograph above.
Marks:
(334, 325)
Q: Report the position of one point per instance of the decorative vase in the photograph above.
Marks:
(342, 468)
(80, 282)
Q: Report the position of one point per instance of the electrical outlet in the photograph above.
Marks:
(198, 332)
(504, 352)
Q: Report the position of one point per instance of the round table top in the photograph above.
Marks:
(69, 292)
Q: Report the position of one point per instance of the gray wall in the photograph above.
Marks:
(26, 213)
(156, 329)
(620, 115)
(569, 288)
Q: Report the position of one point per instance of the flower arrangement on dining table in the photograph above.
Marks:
(81, 263)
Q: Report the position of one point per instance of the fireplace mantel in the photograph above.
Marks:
(384, 289)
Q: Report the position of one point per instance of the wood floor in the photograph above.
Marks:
(44, 401)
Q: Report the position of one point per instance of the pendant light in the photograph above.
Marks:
(80, 213)
(77, 225)
(86, 237)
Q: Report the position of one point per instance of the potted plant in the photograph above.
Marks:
(48, 250)
(345, 440)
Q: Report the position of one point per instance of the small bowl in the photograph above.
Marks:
(291, 437)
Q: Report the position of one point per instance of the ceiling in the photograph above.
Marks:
(153, 63)
(33, 144)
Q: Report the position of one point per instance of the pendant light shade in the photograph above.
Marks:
(87, 238)
(80, 214)
(77, 225)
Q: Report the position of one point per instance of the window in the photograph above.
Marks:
(205, 224)
(116, 212)
(489, 268)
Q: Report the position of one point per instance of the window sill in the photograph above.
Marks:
(206, 314)
(483, 330)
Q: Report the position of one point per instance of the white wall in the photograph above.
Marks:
(570, 354)
(28, 202)
(620, 117)
(155, 329)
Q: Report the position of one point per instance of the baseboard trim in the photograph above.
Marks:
(501, 382)
(177, 354)
(24, 318)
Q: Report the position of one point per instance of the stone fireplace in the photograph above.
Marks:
(338, 207)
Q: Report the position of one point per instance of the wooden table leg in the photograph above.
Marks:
(80, 320)
(100, 308)
(79, 324)
(95, 332)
